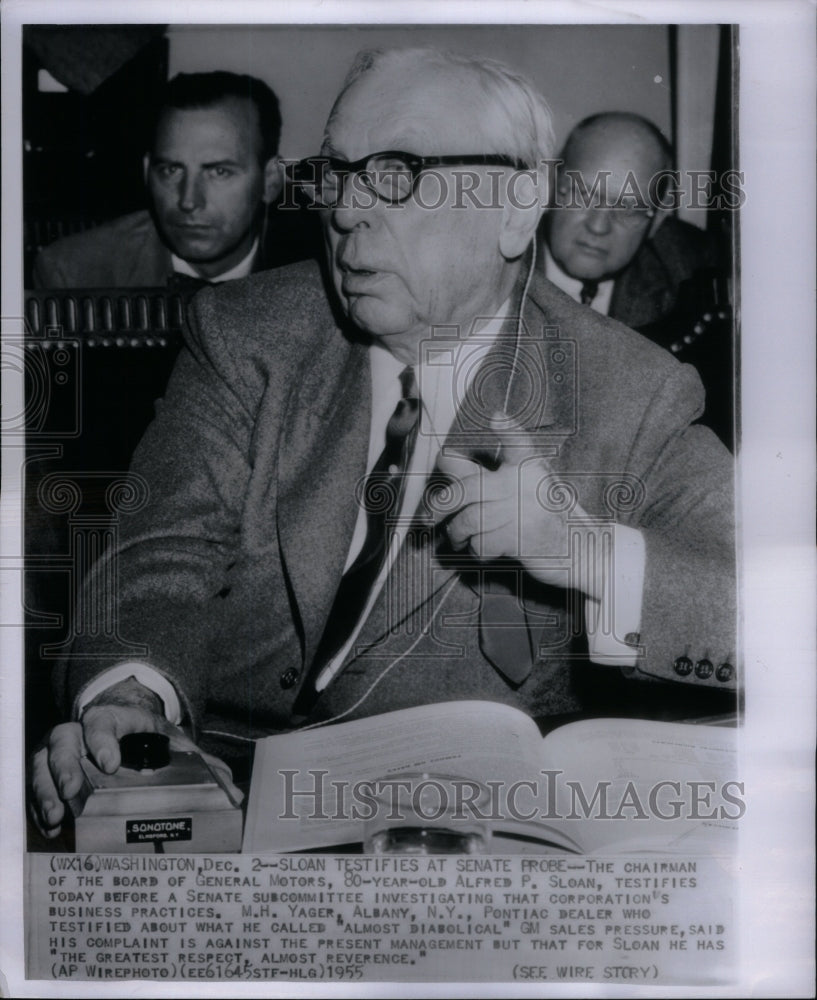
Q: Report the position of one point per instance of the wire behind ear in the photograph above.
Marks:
(515, 360)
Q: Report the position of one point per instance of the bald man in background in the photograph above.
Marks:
(611, 242)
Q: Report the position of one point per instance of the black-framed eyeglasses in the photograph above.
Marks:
(391, 175)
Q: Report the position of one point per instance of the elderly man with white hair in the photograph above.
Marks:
(431, 477)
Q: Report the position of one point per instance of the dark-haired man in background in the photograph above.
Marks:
(213, 179)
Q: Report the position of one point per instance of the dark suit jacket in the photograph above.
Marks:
(673, 292)
(647, 289)
(228, 572)
(128, 252)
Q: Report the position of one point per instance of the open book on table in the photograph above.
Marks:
(598, 785)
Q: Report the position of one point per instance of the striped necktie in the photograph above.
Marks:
(381, 495)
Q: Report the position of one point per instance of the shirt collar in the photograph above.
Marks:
(573, 286)
(445, 371)
(240, 270)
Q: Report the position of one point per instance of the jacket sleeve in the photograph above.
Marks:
(162, 578)
(688, 622)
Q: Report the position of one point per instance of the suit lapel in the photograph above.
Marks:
(510, 386)
(150, 263)
(640, 292)
(322, 458)
(527, 380)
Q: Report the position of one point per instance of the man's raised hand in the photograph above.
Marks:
(503, 513)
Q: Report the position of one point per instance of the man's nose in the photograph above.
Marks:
(598, 221)
(357, 205)
(191, 192)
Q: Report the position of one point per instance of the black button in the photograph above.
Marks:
(725, 672)
(289, 678)
(683, 666)
(703, 669)
(145, 751)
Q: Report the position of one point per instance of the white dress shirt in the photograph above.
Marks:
(240, 270)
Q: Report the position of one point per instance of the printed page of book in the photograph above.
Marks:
(311, 777)
(634, 784)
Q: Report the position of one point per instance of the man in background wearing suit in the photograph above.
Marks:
(445, 480)
(213, 179)
(611, 242)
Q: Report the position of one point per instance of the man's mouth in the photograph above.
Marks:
(358, 280)
(591, 250)
(191, 227)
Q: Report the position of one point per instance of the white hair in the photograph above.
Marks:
(522, 125)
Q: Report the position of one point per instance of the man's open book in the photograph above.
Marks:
(600, 785)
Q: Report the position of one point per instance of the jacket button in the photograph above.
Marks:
(725, 672)
(703, 669)
(682, 666)
(289, 678)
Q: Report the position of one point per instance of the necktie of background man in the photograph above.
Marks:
(590, 290)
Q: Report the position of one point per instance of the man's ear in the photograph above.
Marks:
(524, 204)
(273, 179)
(145, 166)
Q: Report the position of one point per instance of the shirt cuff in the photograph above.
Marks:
(613, 623)
(146, 675)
